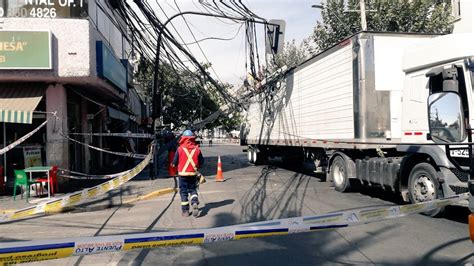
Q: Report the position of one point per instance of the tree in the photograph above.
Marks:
(290, 56)
(420, 16)
(186, 96)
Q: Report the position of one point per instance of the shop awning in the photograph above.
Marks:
(116, 114)
(17, 103)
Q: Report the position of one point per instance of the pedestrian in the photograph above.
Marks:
(188, 159)
(210, 142)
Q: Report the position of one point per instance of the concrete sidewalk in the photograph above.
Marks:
(140, 185)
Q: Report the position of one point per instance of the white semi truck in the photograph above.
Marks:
(359, 111)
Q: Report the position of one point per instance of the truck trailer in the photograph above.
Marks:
(359, 111)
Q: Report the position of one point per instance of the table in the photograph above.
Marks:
(40, 169)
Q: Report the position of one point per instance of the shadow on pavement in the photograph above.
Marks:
(144, 252)
(457, 214)
(454, 213)
(79, 260)
(299, 249)
(224, 219)
(209, 206)
(428, 258)
(286, 201)
(324, 247)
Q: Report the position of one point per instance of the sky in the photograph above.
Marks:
(228, 57)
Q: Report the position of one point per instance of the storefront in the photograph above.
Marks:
(81, 75)
(22, 109)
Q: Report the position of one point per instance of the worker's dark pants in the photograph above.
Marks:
(188, 186)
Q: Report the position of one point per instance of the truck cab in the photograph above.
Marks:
(441, 64)
(450, 86)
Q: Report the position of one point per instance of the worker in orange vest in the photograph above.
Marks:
(188, 158)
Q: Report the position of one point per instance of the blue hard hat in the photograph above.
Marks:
(188, 133)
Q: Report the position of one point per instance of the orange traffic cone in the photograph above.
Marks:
(471, 226)
(219, 176)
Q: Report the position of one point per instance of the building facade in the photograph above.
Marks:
(73, 58)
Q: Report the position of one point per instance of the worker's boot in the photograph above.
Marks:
(185, 211)
(195, 209)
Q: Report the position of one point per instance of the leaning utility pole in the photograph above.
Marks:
(363, 19)
(158, 76)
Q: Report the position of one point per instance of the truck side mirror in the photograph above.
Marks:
(446, 118)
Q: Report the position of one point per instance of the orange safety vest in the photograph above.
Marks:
(188, 160)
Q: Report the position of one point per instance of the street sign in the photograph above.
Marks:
(275, 37)
(25, 50)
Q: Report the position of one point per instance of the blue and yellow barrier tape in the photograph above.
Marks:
(39, 250)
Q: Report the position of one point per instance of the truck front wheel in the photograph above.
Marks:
(423, 186)
(339, 175)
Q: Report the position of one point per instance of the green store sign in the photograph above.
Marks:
(25, 50)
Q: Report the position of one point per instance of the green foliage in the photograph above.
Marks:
(421, 16)
(144, 77)
(186, 97)
(290, 56)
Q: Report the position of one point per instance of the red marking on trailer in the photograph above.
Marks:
(418, 133)
(408, 133)
(344, 43)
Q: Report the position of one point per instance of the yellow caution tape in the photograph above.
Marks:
(57, 204)
(39, 250)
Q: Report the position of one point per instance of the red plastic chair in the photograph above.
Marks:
(53, 181)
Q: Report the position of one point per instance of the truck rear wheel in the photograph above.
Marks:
(339, 175)
(423, 186)
(256, 156)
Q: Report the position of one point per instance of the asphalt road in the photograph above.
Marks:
(257, 193)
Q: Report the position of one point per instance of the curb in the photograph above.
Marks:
(6, 211)
(152, 194)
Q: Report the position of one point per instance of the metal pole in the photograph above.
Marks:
(156, 114)
(4, 155)
(200, 108)
(363, 19)
(470, 182)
